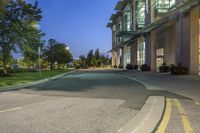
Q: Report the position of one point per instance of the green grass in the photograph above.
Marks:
(26, 77)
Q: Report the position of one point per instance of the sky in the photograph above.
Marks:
(79, 23)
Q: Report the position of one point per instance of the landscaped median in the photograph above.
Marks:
(29, 78)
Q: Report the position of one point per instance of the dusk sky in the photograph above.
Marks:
(79, 23)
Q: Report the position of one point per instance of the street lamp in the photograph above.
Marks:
(37, 26)
(67, 48)
(39, 62)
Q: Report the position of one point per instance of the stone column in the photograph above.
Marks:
(194, 40)
(153, 50)
(134, 53)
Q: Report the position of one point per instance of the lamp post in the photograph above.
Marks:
(67, 48)
(37, 26)
(39, 62)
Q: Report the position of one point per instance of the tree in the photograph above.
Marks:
(50, 52)
(57, 52)
(16, 27)
(81, 62)
(2, 5)
(97, 58)
(89, 58)
(62, 56)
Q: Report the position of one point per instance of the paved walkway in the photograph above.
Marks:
(187, 85)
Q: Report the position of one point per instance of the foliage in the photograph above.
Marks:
(120, 66)
(145, 67)
(178, 70)
(164, 68)
(95, 59)
(89, 58)
(16, 28)
(56, 52)
(135, 67)
(2, 5)
(129, 66)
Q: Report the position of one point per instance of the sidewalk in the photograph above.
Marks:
(187, 85)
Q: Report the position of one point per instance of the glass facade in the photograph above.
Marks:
(141, 53)
(140, 13)
(127, 21)
(114, 34)
(163, 6)
(172, 3)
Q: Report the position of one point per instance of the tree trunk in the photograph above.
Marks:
(51, 67)
(4, 65)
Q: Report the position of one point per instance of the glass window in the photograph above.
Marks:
(163, 6)
(141, 54)
(172, 2)
(140, 13)
(160, 52)
(127, 21)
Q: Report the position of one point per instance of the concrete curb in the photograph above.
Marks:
(16, 87)
(148, 118)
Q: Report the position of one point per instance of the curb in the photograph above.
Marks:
(16, 87)
(148, 118)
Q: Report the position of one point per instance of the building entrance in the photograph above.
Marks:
(160, 58)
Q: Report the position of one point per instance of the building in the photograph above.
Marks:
(154, 32)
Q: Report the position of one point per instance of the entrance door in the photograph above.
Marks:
(159, 62)
(160, 58)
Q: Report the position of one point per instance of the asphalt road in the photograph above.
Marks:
(81, 102)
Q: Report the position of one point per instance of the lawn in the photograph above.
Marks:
(28, 77)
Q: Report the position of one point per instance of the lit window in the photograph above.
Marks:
(141, 54)
(172, 2)
(127, 21)
(160, 52)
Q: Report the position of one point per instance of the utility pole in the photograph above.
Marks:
(39, 62)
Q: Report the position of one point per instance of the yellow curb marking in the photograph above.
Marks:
(197, 103)
(184, 118)
(166, 117)
(8, 110)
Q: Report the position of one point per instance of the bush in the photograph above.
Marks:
(164, 68)
(21, 70)
(145, 67)
(115, 66)
(129, 66)
(178, 70)
(8, 72)
(120, 66)
(1, 73)
(135, 67)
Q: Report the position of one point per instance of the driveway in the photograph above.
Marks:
(81, 102)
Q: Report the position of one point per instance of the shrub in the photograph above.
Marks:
(164, 68)
(178, 70)
(120, 66)
(145, 67)
(1, 73)
(21, 70)
(129, 66)
(8, 72)
(115, 66)
(135, 67)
